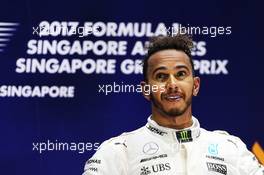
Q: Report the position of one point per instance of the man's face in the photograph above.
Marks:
(171, 70)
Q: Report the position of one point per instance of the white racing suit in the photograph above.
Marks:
(156, 150)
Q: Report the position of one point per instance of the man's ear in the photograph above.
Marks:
(145, 89)
(196, 86)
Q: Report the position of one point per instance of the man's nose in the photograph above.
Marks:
(172, 83)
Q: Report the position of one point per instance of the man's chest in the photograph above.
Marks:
(153, 158)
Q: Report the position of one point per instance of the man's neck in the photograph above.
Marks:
(177, 122)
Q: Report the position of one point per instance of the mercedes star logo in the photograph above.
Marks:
(150, 148)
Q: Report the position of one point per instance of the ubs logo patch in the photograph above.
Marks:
(145, 170)
(220, 168)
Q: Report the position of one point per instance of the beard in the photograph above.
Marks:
(173, 112)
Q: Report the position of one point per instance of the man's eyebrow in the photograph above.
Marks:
(176, 67)
(181, 66)
(159, 68)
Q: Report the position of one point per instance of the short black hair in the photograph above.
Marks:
(181, 42)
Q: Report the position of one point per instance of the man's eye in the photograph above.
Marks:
(181, 74)
(161, 77)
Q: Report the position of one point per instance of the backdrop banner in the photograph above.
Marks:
(71, 71)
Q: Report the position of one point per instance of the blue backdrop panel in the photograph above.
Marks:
(50, 134)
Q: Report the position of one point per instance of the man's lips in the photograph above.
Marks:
(173, 97)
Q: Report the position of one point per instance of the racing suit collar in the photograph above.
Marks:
(184, 135)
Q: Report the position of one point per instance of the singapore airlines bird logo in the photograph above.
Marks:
(7, 30)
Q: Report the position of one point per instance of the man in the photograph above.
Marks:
(172, 142)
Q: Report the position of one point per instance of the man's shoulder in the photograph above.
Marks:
(219, 133)
(112, 154)
(222, 136)
(122, 139)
